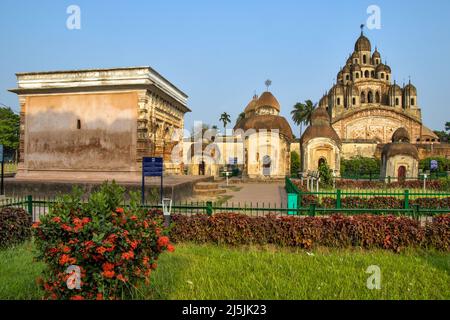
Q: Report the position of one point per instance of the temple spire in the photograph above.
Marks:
(362, 29)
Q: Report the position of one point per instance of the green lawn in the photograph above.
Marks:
(216, 272)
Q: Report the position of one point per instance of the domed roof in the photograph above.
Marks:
(401, 135)
(320, 116)
(382, 68)
(356, 67)
(410, 89)
(267, 122)
(393, 149)
(340, 74)
(395, 88)
(267, 99)
(355, 55)
(376, 54)
(346, 69)
(252, 104)
(320, 127)
(363, 44)
(338, 89)
(388, 69)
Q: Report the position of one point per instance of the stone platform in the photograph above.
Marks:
(175, 187)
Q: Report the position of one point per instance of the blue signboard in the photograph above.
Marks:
(152, 167)
(434, 165)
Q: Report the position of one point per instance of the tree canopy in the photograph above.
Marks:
(9, 128)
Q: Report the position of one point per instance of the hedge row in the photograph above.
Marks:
(15, 227)
(385, 203)
(366, 231)
(412, 184)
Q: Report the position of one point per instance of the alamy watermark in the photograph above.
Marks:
(374, 281)
(73, 21)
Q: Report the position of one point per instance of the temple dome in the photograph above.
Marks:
(411, 89)
(267, 122)
(267, 99)
(401, 135)
(363, 44)
(252, 104)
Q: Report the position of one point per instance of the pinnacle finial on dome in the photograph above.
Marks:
(362, 29)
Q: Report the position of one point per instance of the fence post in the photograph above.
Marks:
(406, 199)
(312, 210)
(416, 209)
(338, 198)
(30, 205)
(209, 209)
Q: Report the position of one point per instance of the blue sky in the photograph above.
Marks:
(220, 52)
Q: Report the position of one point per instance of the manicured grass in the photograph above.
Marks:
(217, 272)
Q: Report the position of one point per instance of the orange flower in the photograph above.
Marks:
(107, 266)
(56, 219)
(133, 217)
(64, 259)
(134, 244)
(101, 250)
(163, 241)
(128, 255)
(108, 274)
(119, 210)
(66, 249)
(66, 227)
(36, 225)
(99, 296)
(78, 297)
(154, 265)
(170, 248)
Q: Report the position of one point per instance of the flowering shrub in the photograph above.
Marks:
(97, 249)
(15, 226)
(366, 231)
(436, 185)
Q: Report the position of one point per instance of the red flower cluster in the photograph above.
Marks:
(114, 250)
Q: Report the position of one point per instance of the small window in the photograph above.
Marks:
(366, 74)
(78, 124)
(382, 76)
(347, 77)
(397, 102)
(378, 61)
(387, 77)
(353, 101)
(412, 101)
(364, 59)
(418, 140)
(372, 74)
(357, 75)
(338, 101)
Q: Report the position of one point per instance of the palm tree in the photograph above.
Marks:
(301, 114)
(225, 118)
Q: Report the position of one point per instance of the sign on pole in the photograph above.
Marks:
(152, 167)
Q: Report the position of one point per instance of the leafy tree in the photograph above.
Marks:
(447, 126)
(360, 166)
(225, 119)
(9, 129)
(295, 163)
(325, 173)
(301, 114)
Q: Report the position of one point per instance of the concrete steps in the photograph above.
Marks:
(208, 189)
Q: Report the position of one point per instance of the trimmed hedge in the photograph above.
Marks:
(437, 185)
(15, 227)
(366, 231)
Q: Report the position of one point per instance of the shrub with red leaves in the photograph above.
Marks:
(366, 231)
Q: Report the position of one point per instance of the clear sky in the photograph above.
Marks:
(221, 51)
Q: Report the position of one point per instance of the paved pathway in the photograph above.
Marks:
(260, 193)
